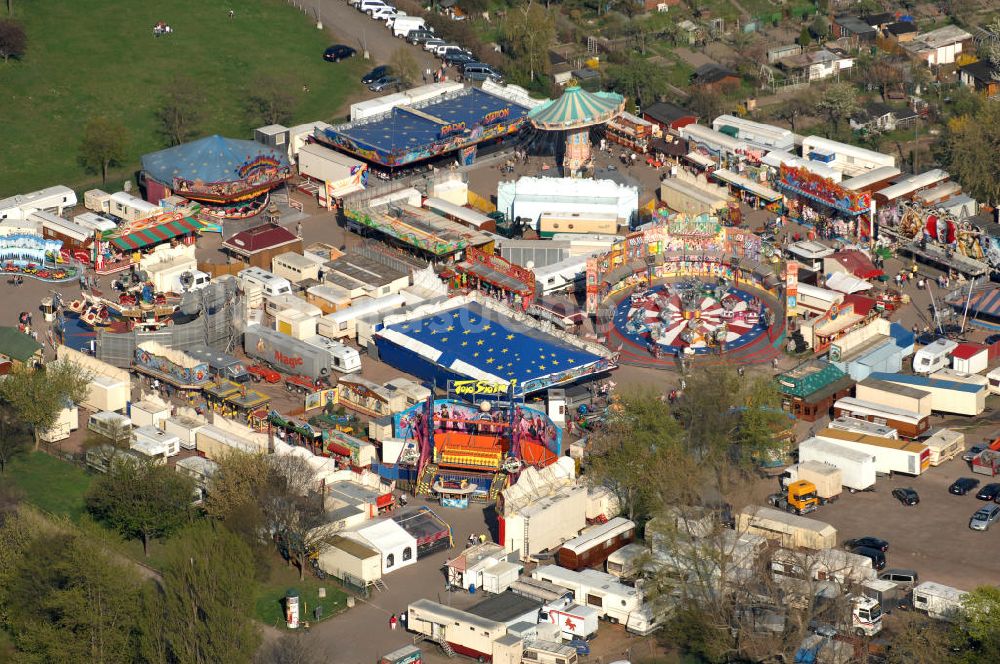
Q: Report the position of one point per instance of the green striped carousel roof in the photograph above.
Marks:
(577, 108)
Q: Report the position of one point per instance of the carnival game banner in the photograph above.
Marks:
(451, 415)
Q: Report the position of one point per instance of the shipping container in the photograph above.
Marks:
(907, 423)
(891, 456)
(945, 444)
(594, 544)
(903, 397)
(949, 393)
(499, 577)
(789, 530)
(857, 467)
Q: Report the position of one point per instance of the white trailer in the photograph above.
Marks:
(938, 600)
(150, 435)
(933, 356)
(856, 425)
(562, 275)
(346, 360)
(185, 428)
(344, 323)
(614, 601)
(467, 634)
(626, 562)
(951, 392)
(857, 467)
(945, 444)
(572, 619)
(891, 456)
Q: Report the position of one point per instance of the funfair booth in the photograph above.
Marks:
(231, 178)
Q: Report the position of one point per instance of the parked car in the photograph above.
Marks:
(876, 556)
(870, 542)
(338, 52)
(971, 453)
(457, 59)
(383, 83)
(984, 517)
(906, 495)
(477, 71)
(904, 577)
(432, 44)
(963, 485)
(580, 645)
(375, 74)
(989, 491)
(419, 36)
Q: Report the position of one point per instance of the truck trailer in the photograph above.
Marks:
(949, 393)
(789, 530)
(857, 467)
(903, 397)
(908, 423)
(286, 353)
(891, 456)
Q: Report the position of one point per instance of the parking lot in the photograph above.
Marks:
(933, 537)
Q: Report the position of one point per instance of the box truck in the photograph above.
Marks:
(857, 467)
(827, 480)
(572, 619)
(891, 456)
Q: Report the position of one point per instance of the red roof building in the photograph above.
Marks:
(970, 358)
(258, 245)
(853, 262)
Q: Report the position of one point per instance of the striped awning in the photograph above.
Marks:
(157, 234)
(577, 108)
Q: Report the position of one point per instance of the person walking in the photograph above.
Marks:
(393, 621)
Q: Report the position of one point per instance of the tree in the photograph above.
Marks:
(404, 66)
(705, 103)
(979, 621)
(839, 101)
(529, 31)
(290, 649)
(638, 79)
(971, 142)
(103, 145)
(204, 599)
(820, 27)
(882, 74)
(141, 500)
(65, 599)
(233, 497)
(917, 639)
(804, 37)
(293, 509)
(38, 395)
(793, 109)
(13, 438)
(181, 113)
(13, 40)
(271, 102)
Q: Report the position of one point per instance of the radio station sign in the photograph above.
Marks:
(453, 128)
(496, 116)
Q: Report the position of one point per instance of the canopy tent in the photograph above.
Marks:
(846, 283)
(985, 303)
(577, 108)
(154, 235)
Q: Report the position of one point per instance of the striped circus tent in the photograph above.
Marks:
(577, 108)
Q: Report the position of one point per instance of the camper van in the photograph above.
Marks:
(345, 359)
(934, 356)
(271, 284)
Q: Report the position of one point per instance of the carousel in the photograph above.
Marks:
(691, 316)
(574, 113)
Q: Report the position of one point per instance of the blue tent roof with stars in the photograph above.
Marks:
(210, 159)
(476, 343)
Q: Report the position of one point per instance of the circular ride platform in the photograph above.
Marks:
(691, 316)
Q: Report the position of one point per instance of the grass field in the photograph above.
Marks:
(99, 57)
(49, 483)
(270, 607)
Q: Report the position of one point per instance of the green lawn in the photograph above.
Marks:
(270, 607)
(99, 57)
(49, 483)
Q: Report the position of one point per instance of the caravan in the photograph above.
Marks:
(614, 601)
(934, 356)
(271, 284)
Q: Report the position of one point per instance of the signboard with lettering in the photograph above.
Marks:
(453, 128)
(478, 388)
(792, 283)
(496, 116)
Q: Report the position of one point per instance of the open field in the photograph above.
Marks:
(88, 58)
(49, 483)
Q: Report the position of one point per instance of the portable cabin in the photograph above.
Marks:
(897, 396)
(295, 323)
(185, 428)
(465, 633)
(970, 358)
(949, 394)
(66, 422)
(343, 323)
(933, 356)
(296, 267)
(149, 413)
(351, 561)
(500, 577)
(594, 545)
(908, 423)
(151, 434)
(328, 298)
(945, 444)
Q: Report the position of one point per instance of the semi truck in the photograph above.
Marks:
(857, 467)
(827, 480)
(287, 354)
(891, 456)
(799, 497)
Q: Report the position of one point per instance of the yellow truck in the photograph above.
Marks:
(800, 497)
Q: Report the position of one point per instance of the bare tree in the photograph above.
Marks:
(293, 509)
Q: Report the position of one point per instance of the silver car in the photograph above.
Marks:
(984, 517)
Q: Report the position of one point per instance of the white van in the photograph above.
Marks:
(193, 280)
(445, 49)
(933, 356)
(271, 284)
(402, 25)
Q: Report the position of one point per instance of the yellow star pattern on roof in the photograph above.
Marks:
(503, 350)
(509, 337)
(480, 342)
(465, 343)
(466, 331)
(455, 315)
(444, 340)
(553, 361)
(486, 328)
(489, 360)
(450, 328)
(541, 367)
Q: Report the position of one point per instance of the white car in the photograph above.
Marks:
(441, 49)
(382, 13)
(432, 44)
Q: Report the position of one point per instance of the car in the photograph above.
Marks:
(989, 492)
(432, 44)
(338, 52)
(906, 495)
(870, 542)
(971, 453)
(984, 517)
(580, 645)
(992, 339)
(901, 576)
(457, 59)
(877, 557)
(375, 74)
(419, 36)
(383, 83)
(963, 485)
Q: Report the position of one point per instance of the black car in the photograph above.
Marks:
(338, 52)
(869, 542)
(375, 74)
(876, 556)
(907, 496)
(992, 339)
(458, 59)
(971, 453)
(989, 492)
(963, 485)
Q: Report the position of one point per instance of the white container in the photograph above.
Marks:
(898, 396)
(185, 428)
(499, 577)
(295, 323)
(106, 393)
(970, 358)
(147, 434)
(857, 467)
(891, 456)
(149, 413)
